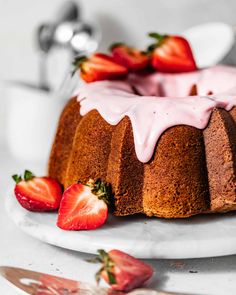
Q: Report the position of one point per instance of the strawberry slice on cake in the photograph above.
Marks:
(171, 54)
(133, 59)
(99, 67)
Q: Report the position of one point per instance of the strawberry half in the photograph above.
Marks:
(84, 206)
(171, 54)
(131, 58)
(37, 193)
(99, 67)
(122, 271)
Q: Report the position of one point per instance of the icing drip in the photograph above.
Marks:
(152, 114)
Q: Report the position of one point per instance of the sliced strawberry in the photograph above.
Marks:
(37, 193)
(131, 58)
(84, 206)
(171, 54)
(122, 271)
(99, 67)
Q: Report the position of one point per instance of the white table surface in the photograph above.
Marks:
(195, 276)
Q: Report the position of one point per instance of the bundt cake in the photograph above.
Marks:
(164, 153)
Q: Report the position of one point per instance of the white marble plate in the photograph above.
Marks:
(200, 236)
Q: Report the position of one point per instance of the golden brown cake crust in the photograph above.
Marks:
(175, 180)
(220, 144)
(125, 171)
(90, 150)
(233, 114)
(62, 145)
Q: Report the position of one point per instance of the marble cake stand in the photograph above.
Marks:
(200, 236)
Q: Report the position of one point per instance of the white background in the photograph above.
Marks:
(124, 20)
(120, 20)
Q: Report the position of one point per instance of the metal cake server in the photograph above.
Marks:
(36, 283)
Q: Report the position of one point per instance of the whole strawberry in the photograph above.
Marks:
(84, 206)
(121, 271)
(37, 193)
(171, 54)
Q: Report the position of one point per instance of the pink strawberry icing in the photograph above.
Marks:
(163, 102)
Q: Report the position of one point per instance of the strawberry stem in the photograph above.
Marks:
(28, 175)
(98, 276)
(159, 40)
(111, 277)
(17, 178)
(107, 266)
(77, 63)
(156, 36)
(101, 189)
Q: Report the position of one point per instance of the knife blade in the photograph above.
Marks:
(36, 283)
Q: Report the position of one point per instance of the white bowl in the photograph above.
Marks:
(31, 121)
(210, 42)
